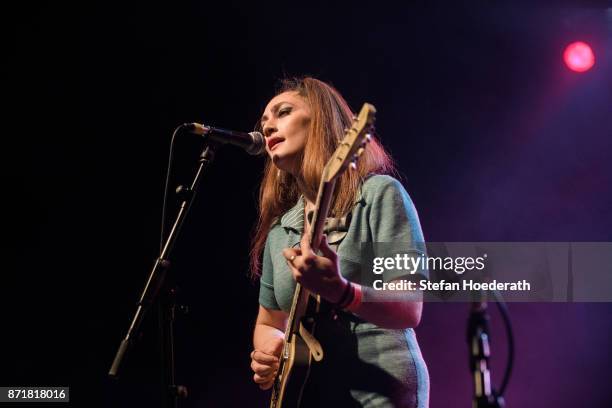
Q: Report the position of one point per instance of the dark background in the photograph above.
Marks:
(497, 141)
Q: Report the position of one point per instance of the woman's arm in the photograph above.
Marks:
(269, 324)
(401, 314)
(268, 338)
(393, 220)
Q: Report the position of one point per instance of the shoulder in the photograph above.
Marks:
(275, 230)
(391, 213)
(382, 185)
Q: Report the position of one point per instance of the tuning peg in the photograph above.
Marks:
(360, 151)
(353, 165)
(368, 137)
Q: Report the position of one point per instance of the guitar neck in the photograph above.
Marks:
(324, 199)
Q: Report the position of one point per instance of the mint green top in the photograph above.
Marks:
(383, 213)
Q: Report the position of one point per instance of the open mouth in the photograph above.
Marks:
(274, 141)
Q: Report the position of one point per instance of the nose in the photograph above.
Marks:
(269, 128)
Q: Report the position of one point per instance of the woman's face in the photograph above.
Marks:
(285, 123)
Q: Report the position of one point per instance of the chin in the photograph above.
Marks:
(279, 161)
(283, 161)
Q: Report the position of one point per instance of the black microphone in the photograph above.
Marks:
(253, 142)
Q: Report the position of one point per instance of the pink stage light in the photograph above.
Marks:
(579, 57)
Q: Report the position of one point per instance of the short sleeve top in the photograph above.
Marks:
(383, 213)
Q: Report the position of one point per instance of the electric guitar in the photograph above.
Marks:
(300, 345)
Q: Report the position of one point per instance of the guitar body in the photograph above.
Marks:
(296, 360)
(301, 345)
(294, 374)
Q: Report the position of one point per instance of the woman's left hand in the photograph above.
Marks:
(319, 274)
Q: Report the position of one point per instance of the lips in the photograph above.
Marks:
(273, 141)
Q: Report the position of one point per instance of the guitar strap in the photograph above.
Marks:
(316, 350)
(336, 229)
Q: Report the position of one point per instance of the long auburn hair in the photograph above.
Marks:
(278, 190)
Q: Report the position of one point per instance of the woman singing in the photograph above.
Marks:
(372, 358)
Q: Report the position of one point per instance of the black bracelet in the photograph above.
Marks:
(347, 296)
(350, 298)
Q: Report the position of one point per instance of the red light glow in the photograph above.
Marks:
(578, 56)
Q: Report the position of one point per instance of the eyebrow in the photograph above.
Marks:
(274, 109)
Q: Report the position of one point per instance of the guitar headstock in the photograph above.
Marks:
(353, 143)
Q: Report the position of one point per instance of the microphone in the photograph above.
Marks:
(253, 143)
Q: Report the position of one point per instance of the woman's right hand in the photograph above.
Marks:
(264, 362)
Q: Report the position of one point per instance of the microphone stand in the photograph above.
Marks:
(478, 342)
(157, 281)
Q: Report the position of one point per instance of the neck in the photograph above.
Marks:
(308, 199)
